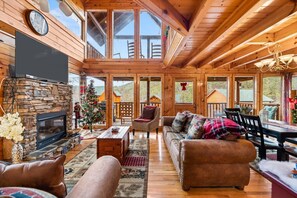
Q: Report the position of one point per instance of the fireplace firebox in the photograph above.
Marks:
(50, 128)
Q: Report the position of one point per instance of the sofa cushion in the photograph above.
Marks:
(148, 112)
(179, 122)
(142, 120)
(222, 128)
(47, 175)
(196, 130)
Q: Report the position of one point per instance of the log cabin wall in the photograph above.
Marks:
(12, 18)
(169, 74)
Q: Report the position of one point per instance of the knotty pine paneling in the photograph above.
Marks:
(12, 18)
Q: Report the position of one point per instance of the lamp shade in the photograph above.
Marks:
(44, 5)
(65, 8)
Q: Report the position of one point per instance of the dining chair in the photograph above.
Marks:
(233, 115)
(255, 135)
(233, 109)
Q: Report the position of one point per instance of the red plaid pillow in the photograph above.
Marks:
(222, 128)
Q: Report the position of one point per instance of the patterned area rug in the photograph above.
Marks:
(133, 182)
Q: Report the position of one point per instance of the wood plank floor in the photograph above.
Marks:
(163, 180)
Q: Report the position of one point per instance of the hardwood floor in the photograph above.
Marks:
(163, 180)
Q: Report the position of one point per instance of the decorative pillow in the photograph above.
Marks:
(196, 130)
(189, 116)
(271, 111)
(148, 112)
(179, 122)
(222, 128)
(47, 175)
(196, 118)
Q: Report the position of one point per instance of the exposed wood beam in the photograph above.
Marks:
(233, 21)
(286, 45)
(195, 20)
(167, 13)
(168, 59)
(274, 19)
(265, 38)
(279, 36)
(97, 25)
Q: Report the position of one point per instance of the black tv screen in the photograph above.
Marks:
(39, 60)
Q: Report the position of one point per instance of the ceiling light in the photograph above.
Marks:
(44, 5)
(65, 8)
(279, 61)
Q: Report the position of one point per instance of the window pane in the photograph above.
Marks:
(123, 34)
(123, 100)
(74, 80)
(217, 95)
(150, 38)
(152, 95)
(294, 83)
(186, 95)
(96, 34)
(72, 22)
(245, 92)
(100, 85)
(272, 91)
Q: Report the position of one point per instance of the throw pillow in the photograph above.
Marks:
(189, 116)
(179, 122)
(196, 118)
(271, 111)
(221, 128)
(196, 130)
(47, 175)
(148, 112)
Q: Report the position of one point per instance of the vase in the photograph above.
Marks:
(17, 153)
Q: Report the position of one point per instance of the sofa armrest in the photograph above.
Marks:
(100, 180)
(167, 120)
(217, 151)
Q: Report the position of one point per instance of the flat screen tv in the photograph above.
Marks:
(37, 60)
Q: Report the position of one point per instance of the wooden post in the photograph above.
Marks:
(148, 90)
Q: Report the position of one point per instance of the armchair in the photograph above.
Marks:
(146, 124)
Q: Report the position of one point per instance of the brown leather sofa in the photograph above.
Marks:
(206, 163)
(100, 180)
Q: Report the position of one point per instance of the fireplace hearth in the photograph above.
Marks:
(51, 127)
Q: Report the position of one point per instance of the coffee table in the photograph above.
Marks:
(115, 144)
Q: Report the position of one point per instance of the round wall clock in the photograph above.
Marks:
(37, 22)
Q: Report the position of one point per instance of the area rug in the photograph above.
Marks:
(87, 134)
(133, 182)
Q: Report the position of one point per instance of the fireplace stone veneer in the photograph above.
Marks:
(32, 97)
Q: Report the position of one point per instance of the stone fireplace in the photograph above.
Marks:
(45, 108)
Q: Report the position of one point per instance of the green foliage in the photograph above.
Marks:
(91, 110)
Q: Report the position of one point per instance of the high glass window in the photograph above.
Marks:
(96, 34)
(72, 22)
(272, 95)
(150, 36)
(217, 96)
(74, 80)
(123, 34)
(184, 93)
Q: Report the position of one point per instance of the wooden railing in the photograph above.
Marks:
(118, 109)
(215, 109)
(92, 52)
(143, 104)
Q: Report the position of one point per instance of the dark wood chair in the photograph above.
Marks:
(232, 109)
(255, 135)
(156, 50)
(233, 115)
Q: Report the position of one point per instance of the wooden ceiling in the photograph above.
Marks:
(220, 33)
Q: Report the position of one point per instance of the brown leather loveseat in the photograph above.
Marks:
(205, 163)
(100, 180)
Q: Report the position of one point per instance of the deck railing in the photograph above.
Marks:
(215, 109)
